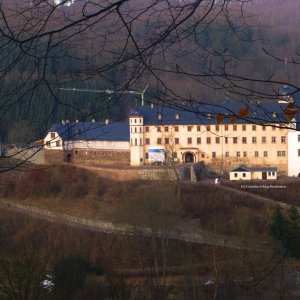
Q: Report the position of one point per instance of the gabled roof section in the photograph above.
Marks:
(244, 168)
(206, 113)
(264, 169)
(240, 168)
(135, 112)
(92, 131)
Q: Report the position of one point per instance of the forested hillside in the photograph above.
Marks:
(251, 45)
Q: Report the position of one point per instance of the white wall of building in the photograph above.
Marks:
(293, 152)
(136, 140)
(101, 145)
(240, 175)
(53, 141)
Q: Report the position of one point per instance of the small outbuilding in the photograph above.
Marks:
(243, 172)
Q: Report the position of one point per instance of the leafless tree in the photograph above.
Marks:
(125, 45)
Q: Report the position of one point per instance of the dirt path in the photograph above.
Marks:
(182, 234)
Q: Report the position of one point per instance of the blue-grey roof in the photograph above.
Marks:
(240, 168)
(243, 168)
(92, 131)
(258, 113)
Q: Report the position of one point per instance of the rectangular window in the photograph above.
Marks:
(189, 128)
(176, 141)
(298, 152)
(280, 153)
(52, 135)
(57, 143)
(254, 127)
(208, 140)
(146, 155)
(226, 154)
(159, 141)
(265, 153)
(244, 127)
(189, 140)
(256, 154)
(234, 127)
(158, 129)
(48, 144)
(238, 154)
(213, 154)
(147, 129)
(273, 139)
(217, 127)
(244, 140)
(264, 128)
(244, 154)
(198, 140)
(208, 127)
(283, 139)
(235, 140)
(226, 127)
(176, 128)
(166, 141)
(298, 137)
(198, 127)
(166, 128)
(217, 140)
(147, 141)
(235, 174)
(244, 174)
(263, 139)
(254, 140)
(226, 140)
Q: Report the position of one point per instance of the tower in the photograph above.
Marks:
(136, 126)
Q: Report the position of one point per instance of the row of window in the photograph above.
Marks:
(210, 127)
(256, 154)
(57, 144)
(244, 174)
(135, 121)
(217, 140)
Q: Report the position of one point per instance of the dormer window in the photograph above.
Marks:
(159, 116)
(254, 115)
(274, 115)
(208, 116)
(177, 116)
(52, 134)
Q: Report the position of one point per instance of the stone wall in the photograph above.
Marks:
(216, 165)
(120, 174)
(53, 156)
(94, 157)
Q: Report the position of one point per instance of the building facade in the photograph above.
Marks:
(223, 136)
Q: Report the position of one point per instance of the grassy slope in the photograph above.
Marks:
(78, 192)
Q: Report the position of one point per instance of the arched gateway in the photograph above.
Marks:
(188, 157)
